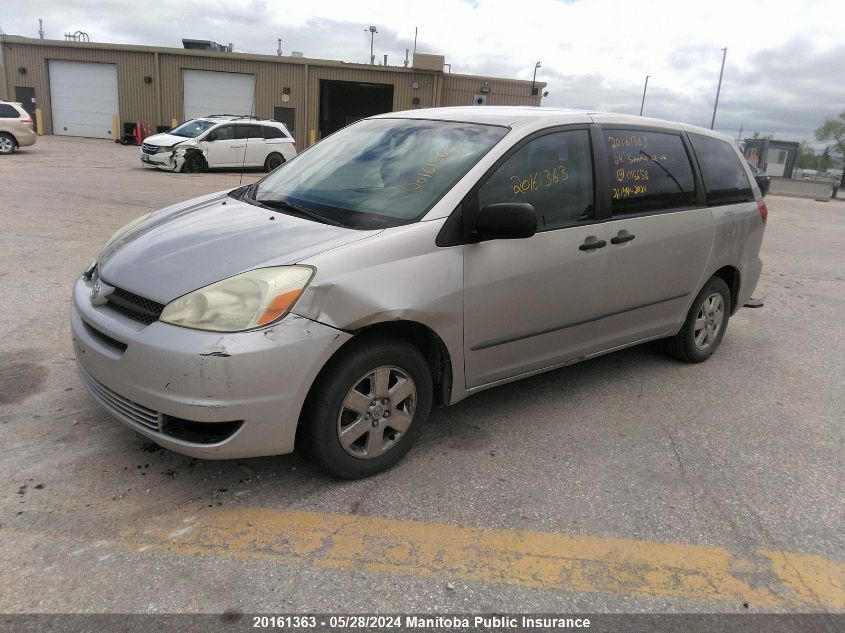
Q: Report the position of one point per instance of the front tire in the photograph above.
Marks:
(705, 325)
(367, 407)
(7, 143)
(194, 164)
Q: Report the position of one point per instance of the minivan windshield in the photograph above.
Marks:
(192, 129)
(377, 172)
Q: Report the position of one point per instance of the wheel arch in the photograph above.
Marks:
(13, 137)
(731, 276)
(421, 336)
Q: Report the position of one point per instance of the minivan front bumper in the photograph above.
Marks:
(163, 160)
(150, 375)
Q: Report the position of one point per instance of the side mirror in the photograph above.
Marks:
(506, 221)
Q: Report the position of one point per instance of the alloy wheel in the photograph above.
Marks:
(377, 412)
(708, 322)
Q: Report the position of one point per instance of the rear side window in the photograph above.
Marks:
(649, 171)
(8, 112)
(553, 173)
(725, 180)
(248, 131)
(272, 132)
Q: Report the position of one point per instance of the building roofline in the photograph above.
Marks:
(313, 61)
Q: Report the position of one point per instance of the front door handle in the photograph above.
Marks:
(591, 243)
(622, 237)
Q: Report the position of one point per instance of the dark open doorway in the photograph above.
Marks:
(286, 116)
(344, 102)
(26, 97)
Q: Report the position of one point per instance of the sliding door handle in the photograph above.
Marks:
(622, 237)
(592, 243)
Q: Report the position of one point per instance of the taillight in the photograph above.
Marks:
(26, 120)
(764, 211)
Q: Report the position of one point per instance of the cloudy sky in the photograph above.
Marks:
(783, 75)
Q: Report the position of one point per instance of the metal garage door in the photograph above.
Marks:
(208, 92)
(83, 98)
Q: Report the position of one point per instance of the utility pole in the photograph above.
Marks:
(373, 32)
(642, 105)
(719, 88)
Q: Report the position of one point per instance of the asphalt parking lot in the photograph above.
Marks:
(627, 483)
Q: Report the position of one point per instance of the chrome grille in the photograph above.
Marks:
(120, 406)
(151, 149)
(134, 306)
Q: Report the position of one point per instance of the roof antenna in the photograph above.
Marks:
(246, 144)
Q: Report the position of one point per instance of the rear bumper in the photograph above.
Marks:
(24, 137)
(147, 375)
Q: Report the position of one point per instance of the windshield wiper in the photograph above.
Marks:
(282, 205)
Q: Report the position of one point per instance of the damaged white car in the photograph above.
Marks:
(220, 141)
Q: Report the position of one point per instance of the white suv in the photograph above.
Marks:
(220, 141)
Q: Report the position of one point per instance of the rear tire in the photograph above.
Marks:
(7, 143)
(367, 407)
(273, 161)
(705, 325)
(194, 163)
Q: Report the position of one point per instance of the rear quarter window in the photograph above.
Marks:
(649, 171)
(8, 112)
(273, 132)
(725, 180)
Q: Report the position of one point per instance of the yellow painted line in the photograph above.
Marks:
(518, 557)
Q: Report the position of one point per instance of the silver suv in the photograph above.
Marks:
(408, 261)
(15, 127)
(220, 141)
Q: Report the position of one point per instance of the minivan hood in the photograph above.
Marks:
(165, 140)
(188, 246)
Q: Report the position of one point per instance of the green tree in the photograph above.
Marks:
(834, 130)
(806, 158)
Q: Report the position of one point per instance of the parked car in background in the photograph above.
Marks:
(763, 179)
(220, 141)
(16, 129)
(408, 261)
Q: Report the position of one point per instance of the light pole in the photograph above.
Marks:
(642, 105)
(373, 32)
(719, 88)
(534, 90)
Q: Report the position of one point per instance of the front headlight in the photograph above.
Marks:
(122, 231)
(249, 300)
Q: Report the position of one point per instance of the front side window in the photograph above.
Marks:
(224, 133)
(649, 171)
(725, 180)
(379, 172)
(553, 173)
(192, 129)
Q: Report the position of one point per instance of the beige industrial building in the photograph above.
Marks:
(82, 89)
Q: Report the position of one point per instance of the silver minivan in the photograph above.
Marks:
(408, 261)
